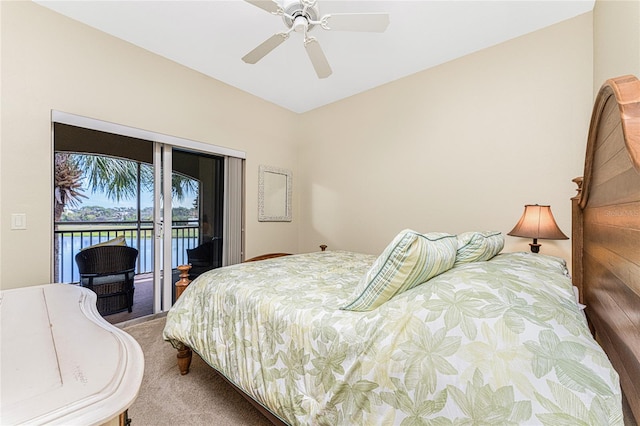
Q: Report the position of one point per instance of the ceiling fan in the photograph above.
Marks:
(302, 16)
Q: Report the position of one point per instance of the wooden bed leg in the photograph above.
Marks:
(184, 359)
(184, 281)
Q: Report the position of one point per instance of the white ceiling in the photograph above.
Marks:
(211, 37)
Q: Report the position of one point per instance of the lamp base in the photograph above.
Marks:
(535, 247)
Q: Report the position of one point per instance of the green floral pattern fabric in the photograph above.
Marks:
(495, 342)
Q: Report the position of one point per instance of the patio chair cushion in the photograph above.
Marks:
(117, 241)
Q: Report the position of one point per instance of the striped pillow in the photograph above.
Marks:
(478, 246)
(409, 260)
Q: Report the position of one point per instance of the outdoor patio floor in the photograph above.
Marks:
(142, 301)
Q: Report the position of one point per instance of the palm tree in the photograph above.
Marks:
(67, 183)
(118, 178)
(67, 190)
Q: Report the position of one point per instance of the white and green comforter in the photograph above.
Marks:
(493, 342)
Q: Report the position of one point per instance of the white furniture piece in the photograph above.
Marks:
(61, 362)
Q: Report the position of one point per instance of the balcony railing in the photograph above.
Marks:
(71, 237)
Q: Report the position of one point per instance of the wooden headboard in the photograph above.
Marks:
(606, 230)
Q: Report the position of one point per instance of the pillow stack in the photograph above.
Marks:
(413, 258)
(409, 260)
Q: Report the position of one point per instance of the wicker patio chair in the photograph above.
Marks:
(205, 257)
(109, 272)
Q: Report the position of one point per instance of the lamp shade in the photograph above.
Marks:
(537, 222)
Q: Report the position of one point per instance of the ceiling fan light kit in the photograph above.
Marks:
(301, 16)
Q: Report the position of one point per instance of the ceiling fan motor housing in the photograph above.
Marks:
(295, 9)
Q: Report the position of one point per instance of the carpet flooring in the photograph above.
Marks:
(200, 398)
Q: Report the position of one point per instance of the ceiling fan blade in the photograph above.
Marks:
(369, 22)
(318, 60)
(269, 5)
(265, 47)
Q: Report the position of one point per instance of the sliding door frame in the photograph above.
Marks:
(162, 163)
(167, 219)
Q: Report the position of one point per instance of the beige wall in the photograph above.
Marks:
(51, 62)
(459, 147)
(616, 45)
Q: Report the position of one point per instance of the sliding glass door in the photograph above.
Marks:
(169, 205)
(191, 200)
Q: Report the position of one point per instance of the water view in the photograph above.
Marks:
(71, 244)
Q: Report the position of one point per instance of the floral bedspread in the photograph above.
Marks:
(495, 342)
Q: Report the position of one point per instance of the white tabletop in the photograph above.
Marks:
(61, 362)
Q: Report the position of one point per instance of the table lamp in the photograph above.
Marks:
(537, 222)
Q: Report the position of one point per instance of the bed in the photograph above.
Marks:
(444, 328)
